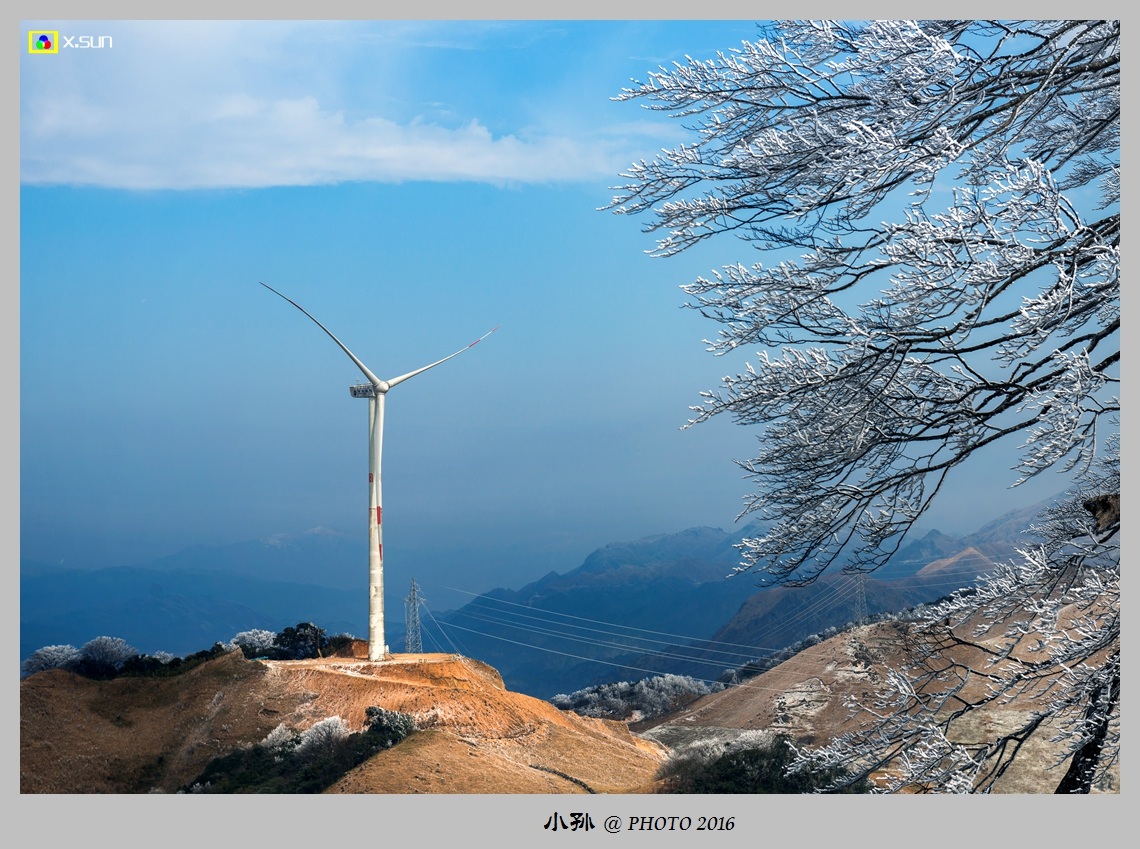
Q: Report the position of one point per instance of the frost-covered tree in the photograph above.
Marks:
(644, 699)
(103, 657)
(323, 736)
(937, 206)
(303, 641)
(1040, 635)
(940, 202)
(281, 739)
(49, 657)
(390, 726)
(109, 650)
(756, 762)
(254, 642)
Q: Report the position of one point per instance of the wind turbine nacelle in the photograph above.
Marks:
(362, 390)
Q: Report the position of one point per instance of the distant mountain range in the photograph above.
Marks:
(618, 616)
(178, 611)
(568, 630)
(663, 604)
(188, 601)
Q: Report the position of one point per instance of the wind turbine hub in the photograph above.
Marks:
(367, 390)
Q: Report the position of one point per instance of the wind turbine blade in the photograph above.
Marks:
(373, 379)
(404, 377)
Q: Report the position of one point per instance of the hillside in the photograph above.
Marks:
(146, 735)
(139, 735)
(806, 698)
(781, 616)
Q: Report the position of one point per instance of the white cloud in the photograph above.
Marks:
(195, 105)
(245, 143)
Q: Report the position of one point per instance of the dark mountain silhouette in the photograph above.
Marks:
(1000, 539)
(662, 604)
(318, 556)
(917, 554)
(177, 611)
(559, 633)
(631, 609)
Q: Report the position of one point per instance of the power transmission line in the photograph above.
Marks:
(552, 623)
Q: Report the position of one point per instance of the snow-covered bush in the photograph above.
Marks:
(756, 763)
(49, 657)
(391, 725)
(110, 650)
(643, 699)
(281, 739)
(322, 736)
(103, 657)
(255, 642)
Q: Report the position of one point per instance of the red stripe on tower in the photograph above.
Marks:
(378, 509)
(380, 549)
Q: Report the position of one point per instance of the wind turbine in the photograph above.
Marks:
(375, 390)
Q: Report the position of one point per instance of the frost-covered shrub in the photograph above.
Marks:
(159, 663)
(255, 642)
(643, 699)
(110, 650)
(309, 762)
(322, 736)
(103, 657)
(108, 657)
(281, 739)
(337, 642)
(749, 764)
(298, 643)
(390, 725)
(49, 657)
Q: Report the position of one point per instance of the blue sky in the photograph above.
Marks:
(412, 185)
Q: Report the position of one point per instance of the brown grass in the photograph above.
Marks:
(137, 735)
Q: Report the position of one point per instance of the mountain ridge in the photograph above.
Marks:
(147, 735)
(670, 588)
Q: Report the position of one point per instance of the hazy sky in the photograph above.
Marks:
(412, 185)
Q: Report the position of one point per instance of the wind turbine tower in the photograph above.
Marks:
(375, 391)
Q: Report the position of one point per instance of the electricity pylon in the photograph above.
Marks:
(860, 600)
(414, 642)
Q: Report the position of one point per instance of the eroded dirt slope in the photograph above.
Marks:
(154, 734)
(806, 698)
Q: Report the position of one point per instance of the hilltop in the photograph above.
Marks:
(138, 735)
